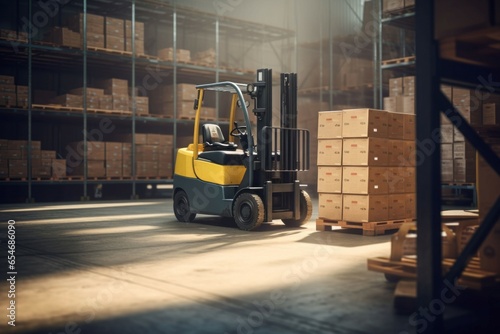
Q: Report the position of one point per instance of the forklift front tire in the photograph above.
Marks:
(305, 211)
(248, 211)
(181, 207)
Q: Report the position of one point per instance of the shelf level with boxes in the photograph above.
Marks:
(62, 91)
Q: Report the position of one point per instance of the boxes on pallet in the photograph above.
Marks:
(330, 152)
(409, 127)
(410, 205)
(397, 206)
(364, 123)
(395, 125)
(395, 180)
(364, 152)
(58, 167)
(75, 151)
(410, 179)
(329, 179)
(364, 180)
(447, 151)
(491, 114)
(4, 167)
(95, 23)
(68, 100)
(18, 168)
(146, 168)
(7, 80)
(95, 168)
(396, 87)
(396, 152)
(139, 46)
(330, 206)
(365, 208)
(409, 86)
(167, 54)
(114, 168)
(121, 102)
(139, 30)
(115, 43)
(205, 57)
(106, 102)
(330, 124)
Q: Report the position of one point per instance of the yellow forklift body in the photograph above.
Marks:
(230, 175)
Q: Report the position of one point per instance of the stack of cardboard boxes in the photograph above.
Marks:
(206, 57)
(139, 37)
(366, 165)
(395, 5)
(12, 95)
(95, 30)
(162, 101)
(401, 95)
(167, 54)
(14, 160)
(114, 159)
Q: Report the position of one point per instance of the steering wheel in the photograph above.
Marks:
(238, 131)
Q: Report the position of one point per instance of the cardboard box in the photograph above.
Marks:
(205, 57)
(364, 152)
(447, 134)
(447, 151)
(106, 102)
(491, 114)
(69, 100)
(147, 153)
(330, 206)
(95, 40)
(184, 92)
(464, 150)
(115, 86)
(167, 54)
(95, 23)
(159, 139)
(410, 154)
(147, 168)
(365, 208)
(397, 206)
(41, 171)
(8, 99)
(113, 151)
(410, 179)
(409, 85)
(4, 167)
(46, 154)
(330, 124)
(329, 179)
(75, 151)
(410, 206)
(139, 46)
(18, 168)
(396, 87)
(329, 152)
(59, 168)
(464, 170)
(409, 127)
(364, 180)
(115, 27)
(141, 104)
(114, 168)
(121, 102)
(395, 180)
(64, 36)
(390, 104)
(95, 168)
(139, 30)
(6, 88)
(7, 80)
(4, 144)
(90, 91)
(408, 104)
(396, 152)
(364, 123)
(447, 171)
(395, 125)
(165, 168)
(457, 135)
(115, 43)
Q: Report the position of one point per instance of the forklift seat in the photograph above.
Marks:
(213, 139)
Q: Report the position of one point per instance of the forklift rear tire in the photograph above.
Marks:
(248, 211)
(181, 207)
(305, 211)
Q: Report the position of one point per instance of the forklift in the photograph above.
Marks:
(256, 182)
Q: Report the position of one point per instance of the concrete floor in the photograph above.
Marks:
(130, 267)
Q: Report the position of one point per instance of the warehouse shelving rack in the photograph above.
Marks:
(432, 70)
(33, 55)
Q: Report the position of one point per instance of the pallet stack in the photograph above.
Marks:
(366, 172)
(14, 161)
(12, 95)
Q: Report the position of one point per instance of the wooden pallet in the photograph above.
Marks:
(58, 107)
(358, 87)
(369, 228)
(473, 276)
(402, 60)
(116, 52)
